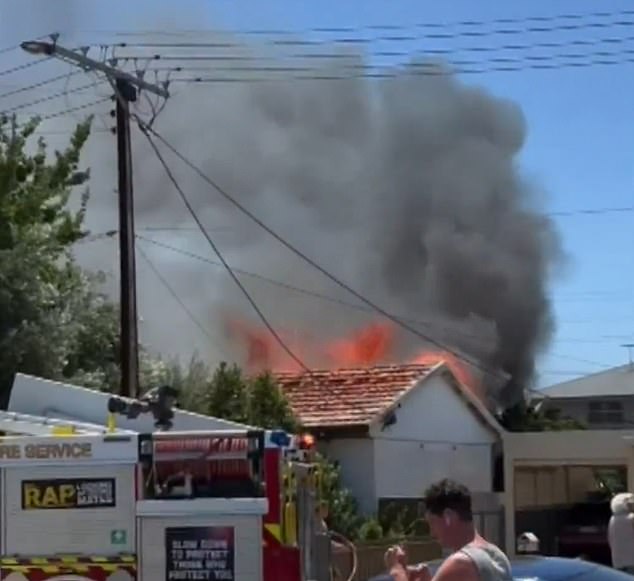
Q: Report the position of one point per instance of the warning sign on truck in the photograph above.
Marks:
(199, 553)
(68, 493)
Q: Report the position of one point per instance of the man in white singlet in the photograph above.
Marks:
(448, 512)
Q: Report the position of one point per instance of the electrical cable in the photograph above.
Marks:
(66, 111)
(313, 263)
(413, 71)
(341, 302)
(397, 27)
(24, 66)
(38, 84)
(18, 46)
(58, 95)
(9, 48)
(593, 211)
(177, 298)
(401, 54)
(321, 296)
(311, 55)
(145, 128)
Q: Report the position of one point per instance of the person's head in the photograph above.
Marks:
(622, 503)
(448, 512)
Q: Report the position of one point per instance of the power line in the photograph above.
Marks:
(23, 67)
(17, 46)
(9, 48)
(290, 287)
(311, 55)
(54, 96)
(579, 360)
(428, 51)
(312, 73)
(303, 256)
(593, 211)
(176, 297)
(69, 110)
(578, 212)
(236, 280)
(539, 19)
(461, 64)
(39, 84)
(340, 302)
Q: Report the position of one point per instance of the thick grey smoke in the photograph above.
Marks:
(407, 188)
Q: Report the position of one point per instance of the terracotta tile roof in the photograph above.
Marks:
(348, 397)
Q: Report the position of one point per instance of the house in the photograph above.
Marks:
(603, 400)
(395, 429)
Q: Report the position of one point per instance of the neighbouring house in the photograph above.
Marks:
(395, 429)
(603, 400)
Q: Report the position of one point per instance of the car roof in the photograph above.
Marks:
(552, 568)
(539, 568)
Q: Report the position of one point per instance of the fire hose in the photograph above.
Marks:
(353, 551)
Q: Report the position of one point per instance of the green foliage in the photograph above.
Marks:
(267, 406)
(400, 519)
(226, 393)
(371, 530)
(522, 418)
(47, 303)
(343, 517)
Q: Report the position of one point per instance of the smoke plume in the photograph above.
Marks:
(407, 188)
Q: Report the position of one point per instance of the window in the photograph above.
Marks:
(605, 412)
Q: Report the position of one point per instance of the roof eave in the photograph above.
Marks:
(339, 431)
(378, 417)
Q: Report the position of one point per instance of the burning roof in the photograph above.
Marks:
(351, 378)
(353, 398)
(348, 397)
(368, 346)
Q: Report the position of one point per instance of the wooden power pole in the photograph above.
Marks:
(126, 93)
(126, 87)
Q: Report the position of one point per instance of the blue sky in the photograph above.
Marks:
(579, 152)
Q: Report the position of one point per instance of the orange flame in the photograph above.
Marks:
(455, 365)
(368, 346)
(371, 345)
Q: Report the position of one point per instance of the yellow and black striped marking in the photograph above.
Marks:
(70, 563)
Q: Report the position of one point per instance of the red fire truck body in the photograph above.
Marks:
(86, 502)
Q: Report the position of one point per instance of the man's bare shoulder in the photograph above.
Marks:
(458, 567)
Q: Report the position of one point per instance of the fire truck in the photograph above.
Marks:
(84, 500)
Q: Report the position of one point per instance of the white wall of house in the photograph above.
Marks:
(436, 435)
(356, 458)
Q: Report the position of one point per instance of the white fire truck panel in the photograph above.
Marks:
(70, 509)
(201, 539)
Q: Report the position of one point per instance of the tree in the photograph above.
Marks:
(343, 510)
(227, 394)
(524, 418)
(266, 405)
(44, 295)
